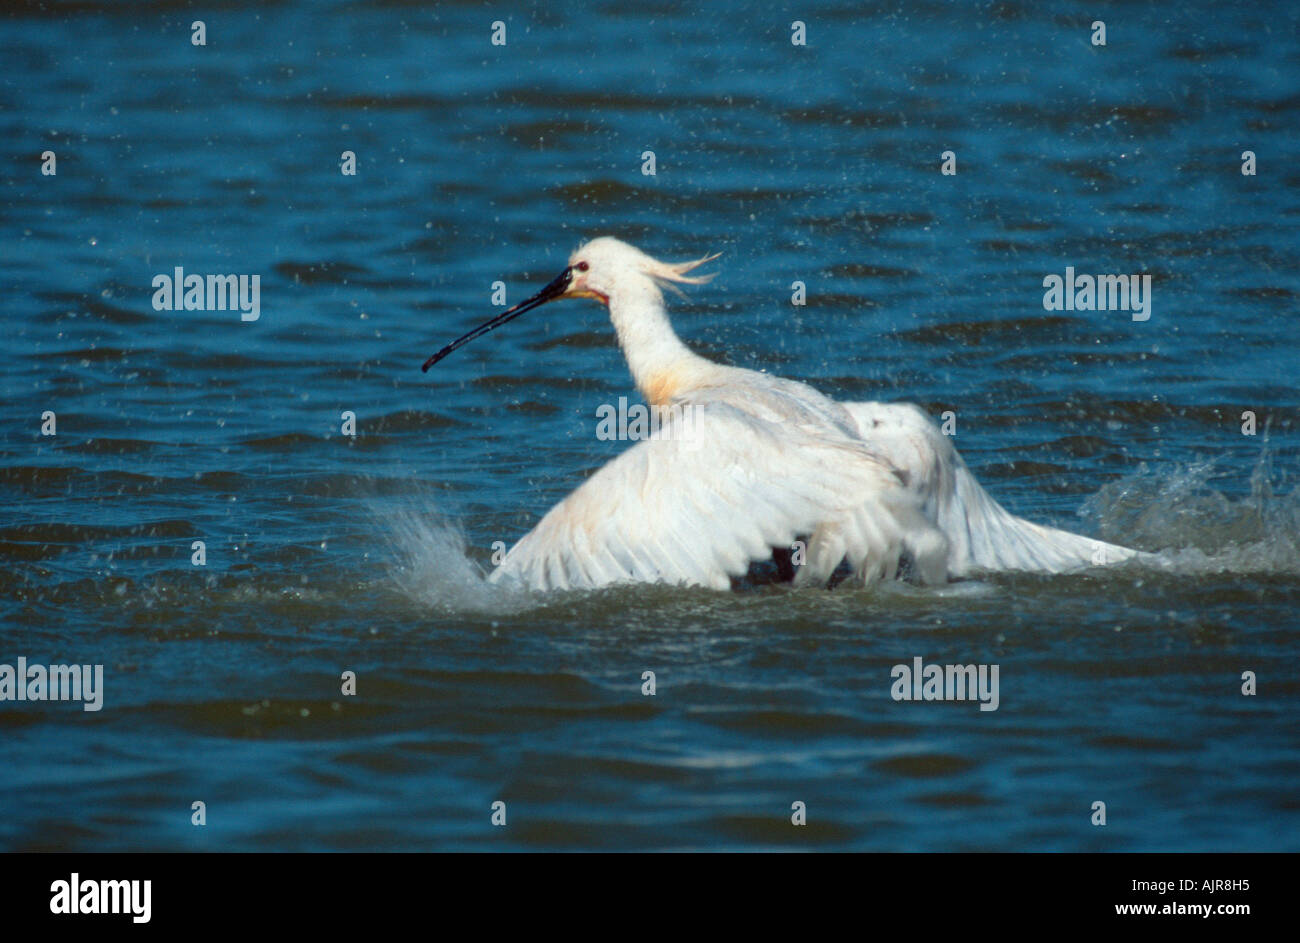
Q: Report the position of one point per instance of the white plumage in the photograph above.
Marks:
(763, 462)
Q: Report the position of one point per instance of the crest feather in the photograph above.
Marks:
(676, 271)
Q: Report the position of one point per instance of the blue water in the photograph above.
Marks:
(477, 163)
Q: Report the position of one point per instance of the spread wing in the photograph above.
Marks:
(981, 533)
(718, 489)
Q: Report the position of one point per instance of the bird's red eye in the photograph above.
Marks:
(582, 266)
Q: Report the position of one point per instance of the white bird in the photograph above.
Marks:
(746, 463)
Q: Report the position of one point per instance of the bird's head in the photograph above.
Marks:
(597, 269)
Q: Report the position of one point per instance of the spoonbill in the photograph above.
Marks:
(766, 464)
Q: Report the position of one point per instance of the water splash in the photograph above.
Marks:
(431, 564)
(1199, 529)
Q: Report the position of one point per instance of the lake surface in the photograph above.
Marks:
(328, 553)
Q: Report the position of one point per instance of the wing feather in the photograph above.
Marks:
(696, 505)
(981, 534)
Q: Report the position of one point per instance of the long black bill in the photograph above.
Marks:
(553, 290)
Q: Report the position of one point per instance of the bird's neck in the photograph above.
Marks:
(662, 366)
